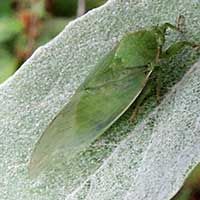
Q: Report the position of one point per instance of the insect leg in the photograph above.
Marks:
(179, 23)
(158, 82)
(134, 113)
(165, 26)
(146, 91)
(178, 27)
(177, 46)
(158, 55)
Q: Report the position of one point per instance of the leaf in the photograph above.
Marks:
(154, 157)
(191, 187)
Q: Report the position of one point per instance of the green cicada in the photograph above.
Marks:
(118, 80)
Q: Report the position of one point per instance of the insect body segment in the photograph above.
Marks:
(117, 81)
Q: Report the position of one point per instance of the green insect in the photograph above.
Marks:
(118, 80)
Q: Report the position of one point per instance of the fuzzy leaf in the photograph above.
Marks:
(154, 157)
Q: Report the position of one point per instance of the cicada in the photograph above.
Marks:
(117, 81)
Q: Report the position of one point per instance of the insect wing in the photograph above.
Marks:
(97, 104)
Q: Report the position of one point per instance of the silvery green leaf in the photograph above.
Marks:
(151, 161)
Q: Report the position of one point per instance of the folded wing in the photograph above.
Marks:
(97, 104)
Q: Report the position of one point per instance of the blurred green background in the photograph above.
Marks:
(27, 24)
